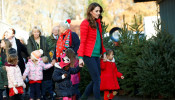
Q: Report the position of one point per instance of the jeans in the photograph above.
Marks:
(35, 89)
(1, 94)
(93, 66)
(47, 86)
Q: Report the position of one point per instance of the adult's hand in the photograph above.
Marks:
(122, 77)
(81, 62)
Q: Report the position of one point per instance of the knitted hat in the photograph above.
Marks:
(64, 61)
(37, 54)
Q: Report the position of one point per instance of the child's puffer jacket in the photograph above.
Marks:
(63, 87)
(35, 72)
(14, 76)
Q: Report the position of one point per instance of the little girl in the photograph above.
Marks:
(75, 78)
(15, 81)
(109, 74)
(62, 78)
(34, 71)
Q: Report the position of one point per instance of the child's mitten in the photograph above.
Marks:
(15, 90)
(57, 65)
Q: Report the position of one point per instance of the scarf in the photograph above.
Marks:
(63, 44)
(9, 65)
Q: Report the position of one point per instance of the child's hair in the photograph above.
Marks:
(71, 55)
(109, 51)
(12, 57)
(45, 59)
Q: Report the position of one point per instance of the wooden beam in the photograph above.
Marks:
(143, 0)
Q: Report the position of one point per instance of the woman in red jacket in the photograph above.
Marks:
(109, 74)
(91, 47)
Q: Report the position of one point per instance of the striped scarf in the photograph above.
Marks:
(63, 44)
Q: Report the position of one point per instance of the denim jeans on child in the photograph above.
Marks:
(1, 94)
(93, 66)
(47, 86)
(35, 90)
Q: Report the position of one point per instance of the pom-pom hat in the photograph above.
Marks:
(67, 22)
(37, 54)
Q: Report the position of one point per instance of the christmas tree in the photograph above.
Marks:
(156, 65)
(127, 54)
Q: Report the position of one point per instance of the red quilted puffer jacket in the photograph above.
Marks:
(88, 38)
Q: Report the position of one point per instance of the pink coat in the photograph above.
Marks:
(74, 77)
(35, 72)
(14, 76)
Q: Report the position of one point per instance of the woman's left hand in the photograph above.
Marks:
(122, 77)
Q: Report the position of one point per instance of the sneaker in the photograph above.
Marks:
(114, 92)
(83, 97)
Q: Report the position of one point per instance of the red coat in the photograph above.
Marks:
(88, 38)
(109, 74)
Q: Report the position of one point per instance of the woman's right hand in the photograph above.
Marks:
(81, 62)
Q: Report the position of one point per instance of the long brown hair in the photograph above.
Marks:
(71, 55)
(8, 45)
(90, 19)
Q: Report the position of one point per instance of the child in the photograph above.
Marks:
(34, 71)
(47, 85)
(3, 77)
(15, 81)
(109, 74)
(62, 78)
(75, 78)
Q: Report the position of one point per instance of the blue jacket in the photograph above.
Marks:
(63, 87)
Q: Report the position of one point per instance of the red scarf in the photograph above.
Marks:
(63, 44)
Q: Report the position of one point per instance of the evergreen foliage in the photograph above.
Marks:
(127, 53)
(156, 66)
